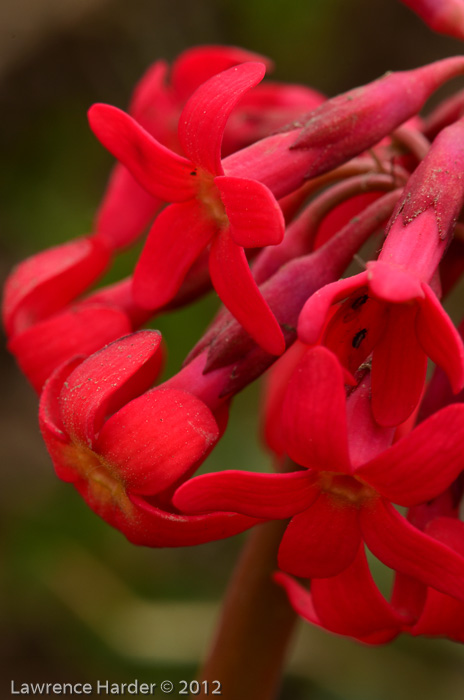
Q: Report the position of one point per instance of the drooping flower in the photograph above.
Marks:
(347, 479)
(124, 450)
(390, 309)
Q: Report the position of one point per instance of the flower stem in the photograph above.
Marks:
(255, 626)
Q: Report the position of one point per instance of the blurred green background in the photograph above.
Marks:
(79, 603)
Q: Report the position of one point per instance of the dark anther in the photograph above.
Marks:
(359, 302)
(358, 338)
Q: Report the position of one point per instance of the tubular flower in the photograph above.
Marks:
(390, 309)
(124, 465)
(211, 209)
(343, 491)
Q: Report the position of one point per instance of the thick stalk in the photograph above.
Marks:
(255, 627)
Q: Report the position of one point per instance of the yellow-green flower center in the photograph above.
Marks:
(208, 195)
(106, 491)
(346, 488)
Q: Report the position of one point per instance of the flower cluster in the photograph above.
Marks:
(266, 192)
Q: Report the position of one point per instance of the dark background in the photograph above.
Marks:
(79, 603)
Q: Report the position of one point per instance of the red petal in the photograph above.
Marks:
(424, 463)
(160, 171)
(234, 283)
(204, 117)
(314, 414)
(175, 241)
(126, 210)
(321, 541)
(153, 440)
(443, 615)
(154, 527)
(149, 91)
(51, 424)
(399, 367)
(106, 381)
(440, 339)
(350, 604)
(314, 313)
(391, 283)
(40, 349)
(270, 496)
(255, 217)
(195, 66)
(408, 596)
(366, 438)
(402, 547)
(46, 282)
(275, 388)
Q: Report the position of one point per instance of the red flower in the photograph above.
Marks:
(125, 465)
(223, 212)
(390, 310)
(158, 99)
(342, 493)
(396, 318)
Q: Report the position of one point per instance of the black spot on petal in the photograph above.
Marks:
(358, 338)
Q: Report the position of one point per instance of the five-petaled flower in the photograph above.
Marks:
(347, 480)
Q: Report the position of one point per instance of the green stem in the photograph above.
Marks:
(255, 627)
